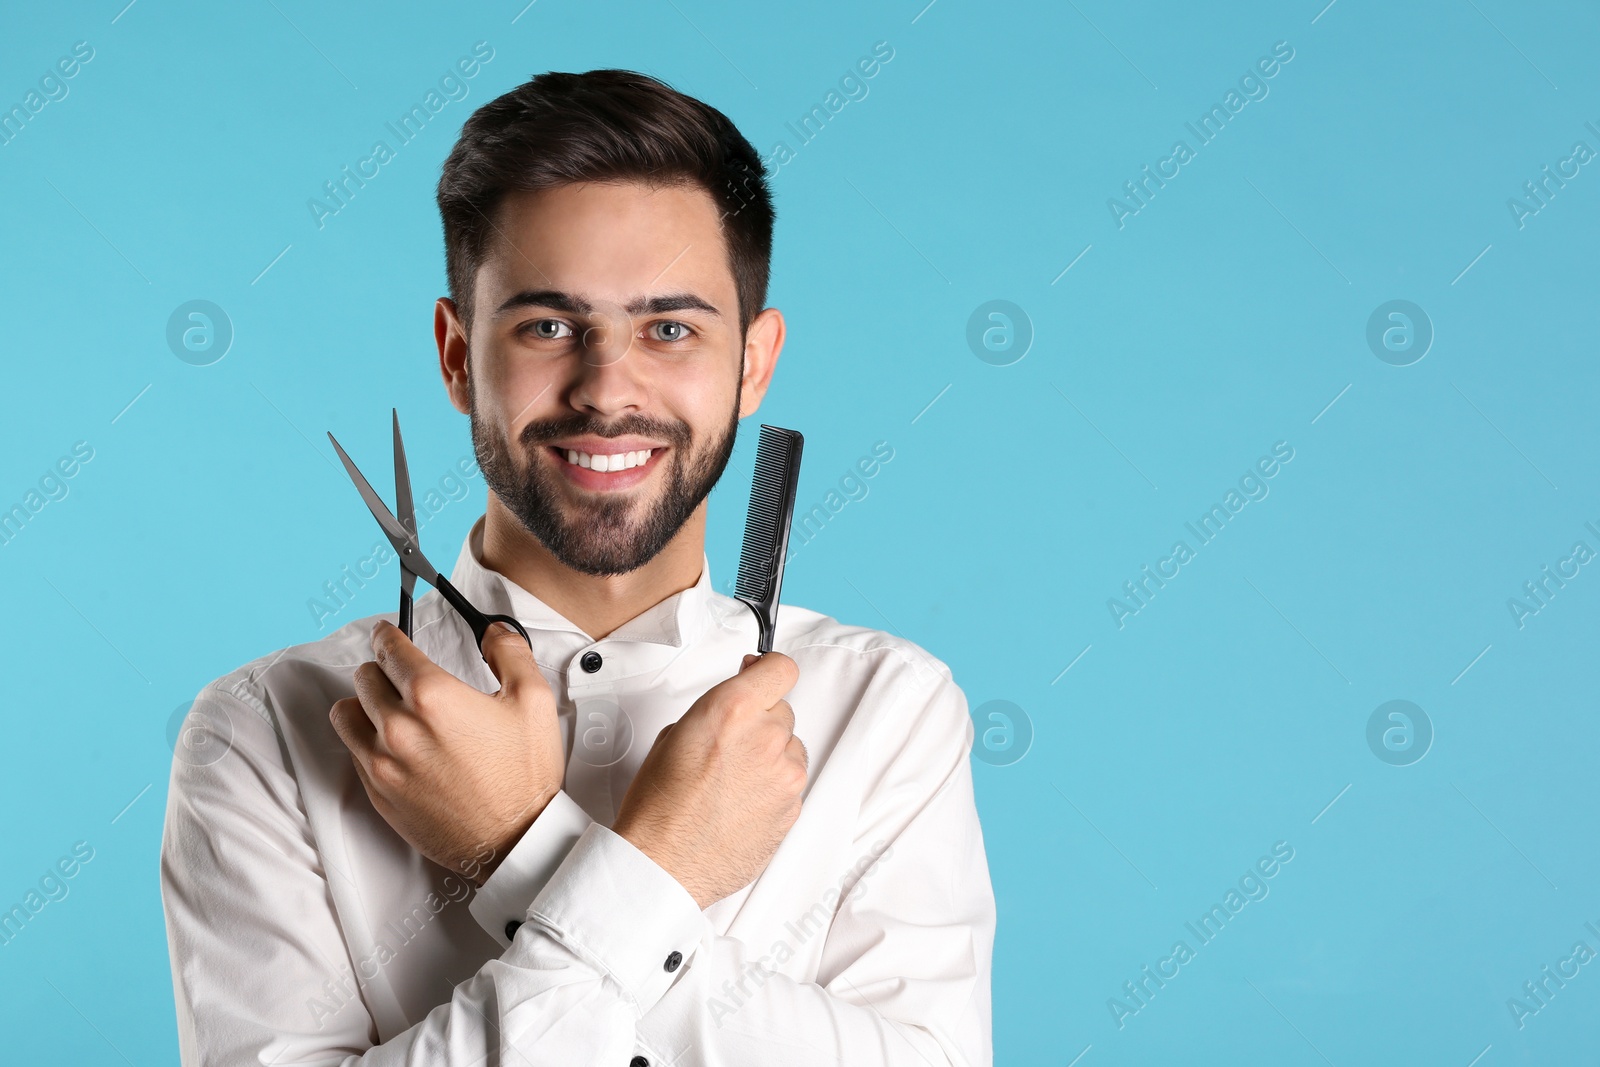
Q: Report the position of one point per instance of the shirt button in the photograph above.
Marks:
(511, 929)
(673, 960)
(590, 662)
(638, 1061)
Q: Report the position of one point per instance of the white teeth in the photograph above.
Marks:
(621, 461)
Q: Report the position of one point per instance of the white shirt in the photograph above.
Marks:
(304, 930)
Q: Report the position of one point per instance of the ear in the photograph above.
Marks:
(762, 344)
(451, 337)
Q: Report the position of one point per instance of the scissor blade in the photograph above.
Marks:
(411, 557)
(405, 511)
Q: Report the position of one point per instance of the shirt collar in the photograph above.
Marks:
(674, 622)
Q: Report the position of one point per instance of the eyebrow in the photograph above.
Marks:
(556, 300)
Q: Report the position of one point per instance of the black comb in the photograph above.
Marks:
(766, 531)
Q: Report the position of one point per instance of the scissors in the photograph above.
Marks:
(402, 534)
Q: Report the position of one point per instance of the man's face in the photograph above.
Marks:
(604, 367)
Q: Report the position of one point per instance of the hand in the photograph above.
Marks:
(720, 788)
(458, 773)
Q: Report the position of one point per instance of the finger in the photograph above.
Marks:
(765, 679)
(354, 728)
(378, 696)
(402, 662)
(401, 730)
(511, 660)
(784, 713)
(796, 750)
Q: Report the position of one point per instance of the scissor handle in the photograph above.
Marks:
(404, 621)
(479, 621)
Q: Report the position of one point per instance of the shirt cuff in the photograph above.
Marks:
(502, 901)
(613, 906)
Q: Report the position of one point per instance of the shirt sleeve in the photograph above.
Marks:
(251, 933)
(905, 969)
(501, 903)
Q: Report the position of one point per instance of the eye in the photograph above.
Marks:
(669, 331)
(548, 329)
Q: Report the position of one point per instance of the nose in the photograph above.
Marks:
(607, 372)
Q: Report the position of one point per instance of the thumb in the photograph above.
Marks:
(510, 659)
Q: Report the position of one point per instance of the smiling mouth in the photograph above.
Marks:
(607, 472)
(602, 463)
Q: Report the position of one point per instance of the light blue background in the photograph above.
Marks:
(1224, 317)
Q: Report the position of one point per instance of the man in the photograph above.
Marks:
(676, 853)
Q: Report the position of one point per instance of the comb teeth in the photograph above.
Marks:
(766, 530)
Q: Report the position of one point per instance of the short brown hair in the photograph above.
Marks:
(604, 125)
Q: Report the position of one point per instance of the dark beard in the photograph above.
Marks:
(601, 538)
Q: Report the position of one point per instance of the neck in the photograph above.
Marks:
(596, 605)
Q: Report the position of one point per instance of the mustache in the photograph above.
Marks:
(577, 424)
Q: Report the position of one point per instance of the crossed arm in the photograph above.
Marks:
(589, 976)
